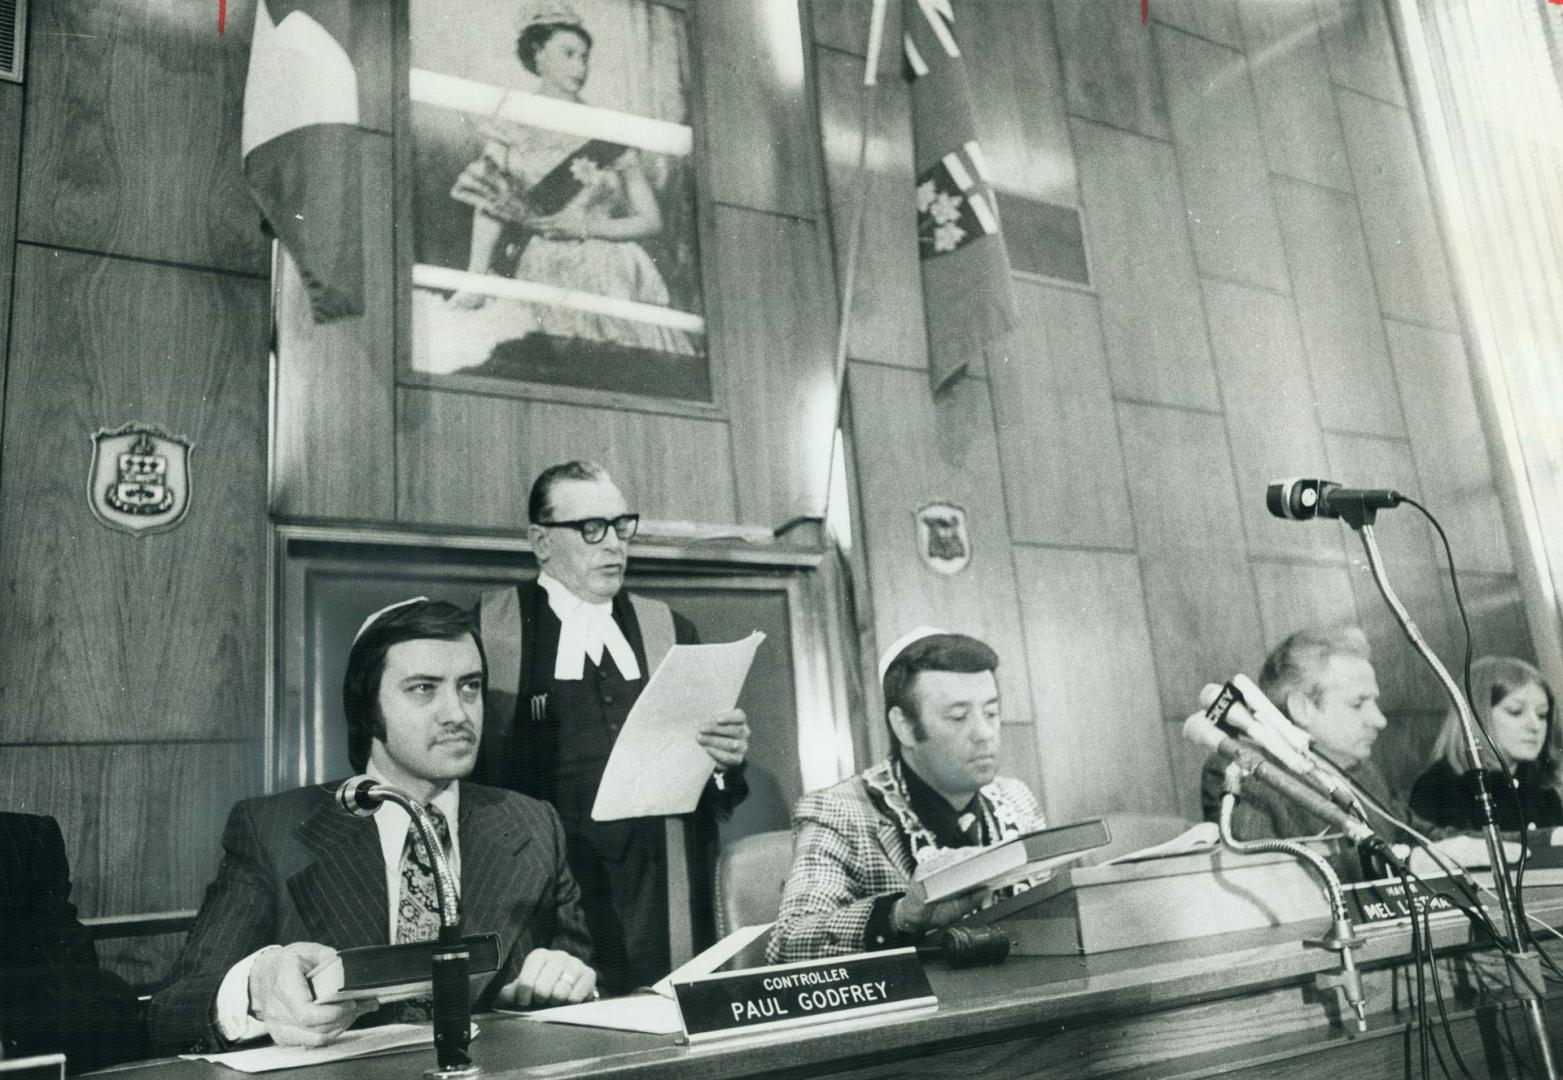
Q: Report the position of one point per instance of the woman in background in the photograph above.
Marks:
(562, 210)
(1516, 704)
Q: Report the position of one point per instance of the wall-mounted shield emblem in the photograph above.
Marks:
(942, 538)
(140, 478)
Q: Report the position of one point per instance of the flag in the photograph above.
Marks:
(301, 144)
(967, 298)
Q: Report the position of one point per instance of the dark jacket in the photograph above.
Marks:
(1444, 797)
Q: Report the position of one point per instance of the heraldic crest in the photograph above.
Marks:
(943, 539)
(140, 478)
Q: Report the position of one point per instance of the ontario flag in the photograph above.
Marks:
(967, 298)
(301, 145)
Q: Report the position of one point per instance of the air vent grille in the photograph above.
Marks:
(13, 29)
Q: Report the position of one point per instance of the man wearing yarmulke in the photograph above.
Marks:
(857, 843)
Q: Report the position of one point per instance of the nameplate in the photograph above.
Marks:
(1378, 903)
(793, 995)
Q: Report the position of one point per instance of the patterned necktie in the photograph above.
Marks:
(418, 914)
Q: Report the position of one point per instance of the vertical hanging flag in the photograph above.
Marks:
(301, 143)
(967, 298)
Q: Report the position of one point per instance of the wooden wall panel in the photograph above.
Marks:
(1271, 423)
(906, 458)
(1360, 48)
(469, 460)
(1406, 684)
(1021, 757)
(1448, 444)
(1144, 268)
(887, 301)
(843, 25)
(1296, 596)
(1496, 608)
(1058, 434)
(1204, 618)
(112, 636)
(1214, 20)
(10, 177)
(373, 54)
(1342, 329)
(1110, 67)
(1020, 122)
(1215, 127)
(774, 317)
(1297, 117)
(142, 822)
(761, 145)
(1403, 535)
(133, 132)
(334, 385)
(1397, 213)
(1098, 725)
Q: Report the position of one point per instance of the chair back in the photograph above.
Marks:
(750, 875)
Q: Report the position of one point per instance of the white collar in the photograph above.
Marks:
(585, 629)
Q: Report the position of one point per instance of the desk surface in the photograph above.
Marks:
(1179, 993)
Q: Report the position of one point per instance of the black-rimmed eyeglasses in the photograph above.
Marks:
(593, 530)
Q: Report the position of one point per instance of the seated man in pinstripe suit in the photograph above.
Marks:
(856, 844)
(300, 878)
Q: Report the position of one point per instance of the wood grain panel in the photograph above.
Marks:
(774, 315)
(1058, 434)
(1406, 684)
(1405, 747)
(1187, 762)
(843, 25)
(108, 635)
(1014, 74)
(1496, 607)
(1403, 535)
(1360, 48)
(1180, 481)
(1215, 127)
(1452, 458)
(1297, 115)
(1271, 422)
(1144, 268)
(1095, 688)
(334, 403)
(1204, 622)
(1296, 596)
(142, 822)
(1342, 330)
(469, 460)
(1110, 67)
(1397, 213)
(1214, 20)
(373, 56)
(1021, 757)
(10, 177)
(909, 456)
(760, 145)
(133, 132)
(887, 299)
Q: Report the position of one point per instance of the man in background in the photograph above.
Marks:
(301, 878)
(570, 653)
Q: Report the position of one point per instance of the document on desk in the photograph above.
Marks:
(657, 768)
(362, 1042)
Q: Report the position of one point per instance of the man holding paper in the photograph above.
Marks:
(302, 878)
(858, 843)
(569, 654)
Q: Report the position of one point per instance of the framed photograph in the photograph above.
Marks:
(554, 215)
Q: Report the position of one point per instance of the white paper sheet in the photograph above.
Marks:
(350, 1044)
(657, 768)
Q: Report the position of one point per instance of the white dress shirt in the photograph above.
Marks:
(392, 822)
(585, 629)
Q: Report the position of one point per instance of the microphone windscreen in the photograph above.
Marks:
(1198, 730)
(1208, 695)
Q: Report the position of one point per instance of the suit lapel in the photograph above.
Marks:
(340, 893)
(893, 843)
(493, 873)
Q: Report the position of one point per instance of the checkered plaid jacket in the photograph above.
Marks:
(846, 852)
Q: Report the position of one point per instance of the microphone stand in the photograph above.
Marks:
(452, 1005)
(1524, 964)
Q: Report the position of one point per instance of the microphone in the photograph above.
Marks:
(1200, 731)
(1300, 499)
(360, 796)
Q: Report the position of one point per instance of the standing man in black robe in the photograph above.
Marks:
(569, 653)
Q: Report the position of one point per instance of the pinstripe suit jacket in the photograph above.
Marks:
(847, 851)
(296, 868)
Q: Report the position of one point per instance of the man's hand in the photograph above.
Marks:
(281, 999)
(548, 977)
(726, 738)
(912, 914)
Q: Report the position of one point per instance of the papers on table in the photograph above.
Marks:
(350, 1044)
(653, 1011)
(657, 768)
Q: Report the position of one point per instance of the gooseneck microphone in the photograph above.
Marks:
(1302, 499)
(361, 796)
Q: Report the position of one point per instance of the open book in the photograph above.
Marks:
(955, 870)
